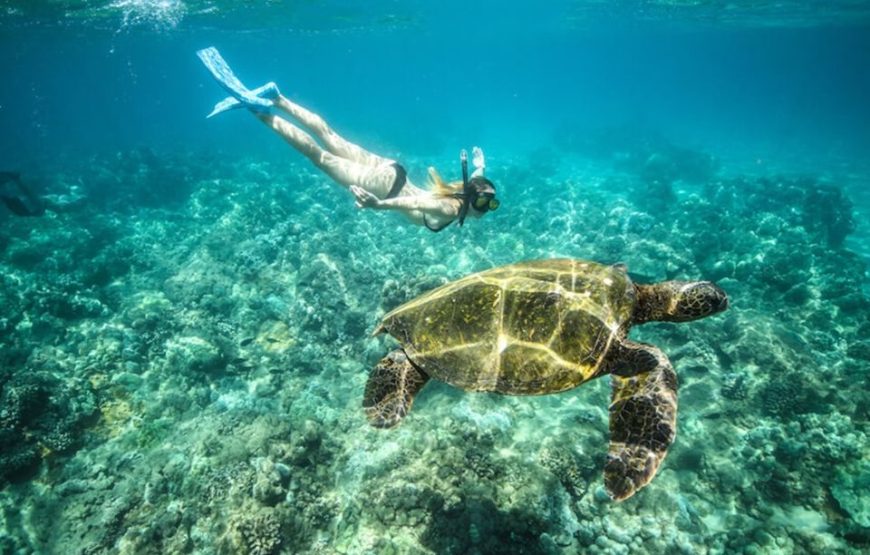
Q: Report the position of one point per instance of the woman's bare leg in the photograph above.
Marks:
(333, 141)
(377, 179)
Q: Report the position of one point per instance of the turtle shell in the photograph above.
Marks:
(529, 328)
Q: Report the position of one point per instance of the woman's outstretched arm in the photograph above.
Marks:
(423, 203)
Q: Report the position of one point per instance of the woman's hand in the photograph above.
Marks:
(364, 199)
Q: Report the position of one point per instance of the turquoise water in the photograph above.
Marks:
(185, 334)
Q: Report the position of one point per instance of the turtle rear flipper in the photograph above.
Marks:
(391, 388)
(643, 418)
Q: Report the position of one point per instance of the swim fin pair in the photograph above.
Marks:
(258, 100)
(17, 197)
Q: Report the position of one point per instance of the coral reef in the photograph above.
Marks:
(259, 534)
(183, 367)
(40, 417)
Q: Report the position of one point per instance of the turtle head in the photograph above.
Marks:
(678, 301)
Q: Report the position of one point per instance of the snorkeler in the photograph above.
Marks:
(17, 197)
(376, 182)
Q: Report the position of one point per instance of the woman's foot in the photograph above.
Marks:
(225, 77)
(269, 91)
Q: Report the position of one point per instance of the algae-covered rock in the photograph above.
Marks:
(193, 354)
(850, 490)
(271, 482)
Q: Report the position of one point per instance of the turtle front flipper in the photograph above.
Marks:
(391, 388)
(643, 417)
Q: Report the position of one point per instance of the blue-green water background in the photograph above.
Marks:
(507, 77)
(194, 310)
(772, 87)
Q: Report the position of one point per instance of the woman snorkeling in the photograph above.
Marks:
(374, 181)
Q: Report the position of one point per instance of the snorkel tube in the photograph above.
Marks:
(475, 186)
(466, 194)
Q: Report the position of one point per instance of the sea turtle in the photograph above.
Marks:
(542, 327)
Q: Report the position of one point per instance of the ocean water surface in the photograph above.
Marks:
(186, 330)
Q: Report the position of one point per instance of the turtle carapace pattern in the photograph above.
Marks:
(541, 327)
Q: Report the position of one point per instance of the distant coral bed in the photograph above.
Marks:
(185, 343)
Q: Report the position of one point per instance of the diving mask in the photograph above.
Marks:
(485, 203)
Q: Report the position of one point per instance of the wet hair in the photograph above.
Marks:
(441, 189)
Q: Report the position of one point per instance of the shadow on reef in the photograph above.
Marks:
(477, 525)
